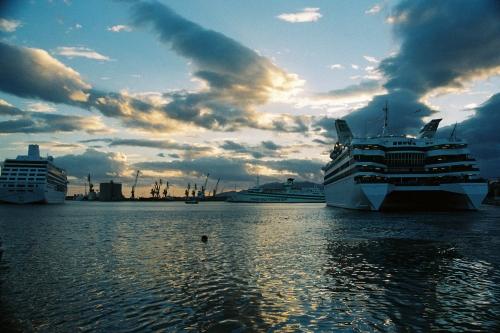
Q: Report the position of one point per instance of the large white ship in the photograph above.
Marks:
(398, 172)
(32, 179)
(288, 193)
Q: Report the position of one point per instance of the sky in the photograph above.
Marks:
(239, 89)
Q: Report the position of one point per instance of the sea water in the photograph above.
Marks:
(141, 266)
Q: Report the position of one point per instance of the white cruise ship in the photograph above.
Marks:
(32, 179)
(288, 194)
(400, 172)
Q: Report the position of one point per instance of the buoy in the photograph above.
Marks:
(204, 238)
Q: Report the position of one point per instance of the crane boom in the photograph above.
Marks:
(132, 194)
(206, 181)
(216, 186)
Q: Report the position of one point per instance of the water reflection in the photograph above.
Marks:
(415, 284)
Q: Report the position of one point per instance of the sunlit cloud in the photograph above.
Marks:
(373, 10)
(306, 15)
(40, 107)
(371, 59)
(336, 66)
(7, 25)
(119, 28)
(80, 52)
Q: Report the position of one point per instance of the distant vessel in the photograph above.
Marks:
(390, 171)
(32, 179)
(288, 194)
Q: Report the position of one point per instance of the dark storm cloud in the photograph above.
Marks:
(482, 133)
(443, 45)
(102, 166)
(45, 122)
(237, 78)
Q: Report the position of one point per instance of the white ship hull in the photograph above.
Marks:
(38, 195)
(347, 193)
(274, 198)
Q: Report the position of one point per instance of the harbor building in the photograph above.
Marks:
(110, 191)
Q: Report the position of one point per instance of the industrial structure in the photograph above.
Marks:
(110, 191)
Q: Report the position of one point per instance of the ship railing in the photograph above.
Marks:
(408, 181)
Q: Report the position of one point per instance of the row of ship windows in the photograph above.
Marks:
(25, 170)
(428, 160)
(19, 185)
(22, 174)
(395, 143)
(369, 168)
(398, 143)
(22, 178)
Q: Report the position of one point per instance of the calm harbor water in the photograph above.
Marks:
(273, 267)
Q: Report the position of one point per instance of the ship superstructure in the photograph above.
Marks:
(288, 193)
(32, 179)
(391, 171)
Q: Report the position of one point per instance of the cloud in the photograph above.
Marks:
(306, 15)
(236, 79)
(354, 66)
(262, 150)
(482, 134)
(33, 73)
(102, 166)
(46, 122)
(160, 144)
(336, 66)
(119, 28)
(40, 107)
(238, 170)
(9, 25)
(80, 52)
(358, 92)
(371, 59)
(344, 100)
(373, 10)
(429, 61)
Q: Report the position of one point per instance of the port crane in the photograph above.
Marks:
(201, 193)
(92, 195)
(132, 193)
(215, 188)
(165, 191)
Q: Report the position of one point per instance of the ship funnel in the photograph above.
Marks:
(429, 130)
(344, 133)
(33, 151)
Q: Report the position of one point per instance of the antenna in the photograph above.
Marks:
(453, 135)
(386, 115)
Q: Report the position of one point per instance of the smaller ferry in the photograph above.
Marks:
(32, 179)
(288, 193)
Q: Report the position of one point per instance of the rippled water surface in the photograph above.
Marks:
(129, 266)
